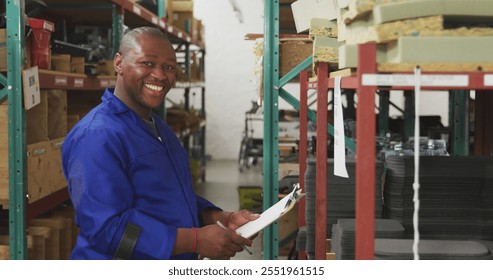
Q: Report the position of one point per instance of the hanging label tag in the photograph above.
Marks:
(339, 143)
(30, 82)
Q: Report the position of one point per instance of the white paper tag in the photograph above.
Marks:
(339, 143)
(30, 82)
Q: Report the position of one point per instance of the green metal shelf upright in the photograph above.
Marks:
(272, 89)
(271, 122)
(16, 128)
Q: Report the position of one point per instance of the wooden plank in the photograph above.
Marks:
(330, 256)
(342, 73)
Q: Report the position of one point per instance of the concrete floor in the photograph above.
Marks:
(221, 188)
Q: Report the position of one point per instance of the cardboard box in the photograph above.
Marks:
(77, 65)
(37, 121)
(56, 178)
(37, 163)
(106, 67)
(57, 113)
(183, 21)
(38, 166)
(60, 62)
(183, 6)
(169, 11)
(292, 53)
(3, 50)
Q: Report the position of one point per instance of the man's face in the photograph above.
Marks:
(148, 73)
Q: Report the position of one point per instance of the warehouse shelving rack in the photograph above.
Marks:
(272, 89)
(365, 129)
(116, 12)
(365, 169)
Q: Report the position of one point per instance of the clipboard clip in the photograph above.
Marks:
(293, 196)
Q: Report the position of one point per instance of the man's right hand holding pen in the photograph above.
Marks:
(219, 240)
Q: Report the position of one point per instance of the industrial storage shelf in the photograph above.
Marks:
(107, 14)
(367, 81)
(95, 12)
(436, 81)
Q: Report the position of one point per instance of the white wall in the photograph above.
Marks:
(230, 79)
(229, 71)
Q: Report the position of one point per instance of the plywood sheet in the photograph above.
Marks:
(325, 50)
(461, 10)
(440, 50)
(320, 27)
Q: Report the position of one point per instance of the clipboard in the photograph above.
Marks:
(272, 214)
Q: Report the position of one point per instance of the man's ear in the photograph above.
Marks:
(118, 63)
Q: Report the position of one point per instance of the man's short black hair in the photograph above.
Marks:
(128, 41)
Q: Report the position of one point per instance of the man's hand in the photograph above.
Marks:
(239, 218)
(218, 243)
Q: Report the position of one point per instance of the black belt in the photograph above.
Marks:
(127, 243)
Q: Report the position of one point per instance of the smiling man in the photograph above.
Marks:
(128, 175)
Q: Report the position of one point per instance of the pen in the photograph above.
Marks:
(223, 227)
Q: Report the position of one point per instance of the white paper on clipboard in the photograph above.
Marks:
(271, 215)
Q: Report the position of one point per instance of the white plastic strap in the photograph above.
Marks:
(417, 94)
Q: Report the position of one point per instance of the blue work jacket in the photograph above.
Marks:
(119, 172)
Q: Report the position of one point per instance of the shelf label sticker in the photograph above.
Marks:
(61, 80)
(180, 34)
(170, 29)
(162, 24)
(30, 83)
(189, 39)
(137, 10)
(107, 83)
(488, 79)
(437, 80)
(154, 20)
(104, 83)
(78, 82)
